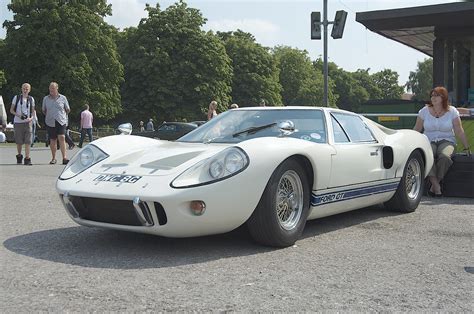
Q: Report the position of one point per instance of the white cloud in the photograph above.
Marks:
(126, 13)
(265, 32)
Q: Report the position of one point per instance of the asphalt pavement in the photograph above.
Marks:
(369, 260)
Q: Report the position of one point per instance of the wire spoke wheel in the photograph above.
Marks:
(289, 200)
(413, 179)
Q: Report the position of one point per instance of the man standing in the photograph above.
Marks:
(149, 125)
(23, 107)
(56, 109)
(86, 124)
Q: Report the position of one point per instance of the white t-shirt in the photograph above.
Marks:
(23, 108)
(437, 129)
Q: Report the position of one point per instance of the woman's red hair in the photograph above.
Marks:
(443, 92)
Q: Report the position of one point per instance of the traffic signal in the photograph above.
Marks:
(315, 25)
(339, 23)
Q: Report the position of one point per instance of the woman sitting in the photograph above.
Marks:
(438, 120)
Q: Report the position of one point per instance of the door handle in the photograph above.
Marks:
(376, 153)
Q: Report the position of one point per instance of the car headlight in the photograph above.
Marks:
(219, 167)
(88, 156)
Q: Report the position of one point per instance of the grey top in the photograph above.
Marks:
(55, 110)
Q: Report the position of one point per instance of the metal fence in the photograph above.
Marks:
(407, 120)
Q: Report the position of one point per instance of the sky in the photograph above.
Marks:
(287, 23)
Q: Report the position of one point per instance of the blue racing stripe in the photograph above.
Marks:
(345, 195)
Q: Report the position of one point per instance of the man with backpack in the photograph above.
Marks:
(23, 108)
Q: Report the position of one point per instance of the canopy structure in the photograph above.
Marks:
(444, 32)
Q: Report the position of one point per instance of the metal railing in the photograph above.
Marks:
(389, 119)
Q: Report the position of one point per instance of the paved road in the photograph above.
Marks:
(366, 260)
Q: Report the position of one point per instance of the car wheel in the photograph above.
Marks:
(281, 214)
(409, 191)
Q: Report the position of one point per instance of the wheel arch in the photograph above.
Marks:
(307, 166)
(423, 156)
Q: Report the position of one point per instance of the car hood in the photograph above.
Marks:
(143, 156)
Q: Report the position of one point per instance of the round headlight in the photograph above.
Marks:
(87, 157)
(234, 161)
(216, 169)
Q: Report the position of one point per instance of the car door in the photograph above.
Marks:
(358, 155)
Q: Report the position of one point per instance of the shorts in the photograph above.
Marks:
(58, 129)
(22, 133)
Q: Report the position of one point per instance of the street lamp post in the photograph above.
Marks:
(337, 30)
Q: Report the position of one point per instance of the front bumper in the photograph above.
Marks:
(151, 206)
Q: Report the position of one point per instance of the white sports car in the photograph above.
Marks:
(271, 168)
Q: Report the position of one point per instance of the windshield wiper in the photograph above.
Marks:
(254, 129)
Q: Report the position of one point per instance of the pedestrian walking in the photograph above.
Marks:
(56, 108)
(23, 108)
(86, 124)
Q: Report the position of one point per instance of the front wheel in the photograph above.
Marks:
(408, 194)
(281, 214)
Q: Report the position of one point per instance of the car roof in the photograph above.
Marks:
(293, 108)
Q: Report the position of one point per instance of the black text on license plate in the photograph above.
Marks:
(117, 178)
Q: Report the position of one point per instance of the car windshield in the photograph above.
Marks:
(237, 125)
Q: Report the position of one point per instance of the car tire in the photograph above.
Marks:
(281, 213)
(410, 189)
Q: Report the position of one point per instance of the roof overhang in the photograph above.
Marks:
(418, 27)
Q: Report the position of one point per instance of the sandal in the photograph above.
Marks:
(52, 162)
(65, 161)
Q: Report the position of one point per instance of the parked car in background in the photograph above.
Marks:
(169, 131)
(271, 168)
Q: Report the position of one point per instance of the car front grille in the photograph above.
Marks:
(121, 212)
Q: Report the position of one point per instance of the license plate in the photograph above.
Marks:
(117, 178)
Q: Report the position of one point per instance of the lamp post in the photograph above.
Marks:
(337, 30)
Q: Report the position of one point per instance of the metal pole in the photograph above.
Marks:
(325, 25)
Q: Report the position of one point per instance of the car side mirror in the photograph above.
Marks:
(125, 129)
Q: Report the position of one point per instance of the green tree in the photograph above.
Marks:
(301, 83)
(3, 80)
(348, 92)
(387, 82)
(420, 82)
(365, 80)
(67, 42)
(173, 69)
(254, 68)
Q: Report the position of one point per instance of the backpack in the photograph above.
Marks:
(28, 103)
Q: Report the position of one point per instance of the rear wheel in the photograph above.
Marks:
(408, 194)
(281, 214)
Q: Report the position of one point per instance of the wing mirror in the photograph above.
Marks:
(125, 129)
(286, 127)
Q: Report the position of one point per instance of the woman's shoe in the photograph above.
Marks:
(431, 194)
(65, 161)
(438, 195)
(52, 162)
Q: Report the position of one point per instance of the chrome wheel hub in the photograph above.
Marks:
(413, 179)
(289, 200)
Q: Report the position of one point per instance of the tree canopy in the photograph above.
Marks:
(67, 42)
(173, 69)
(420, 81)
(255, 72)
(168, 67)
(387, 82)
(302, 84)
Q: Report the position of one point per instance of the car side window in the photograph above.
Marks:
(339, 134)
(353, 127)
